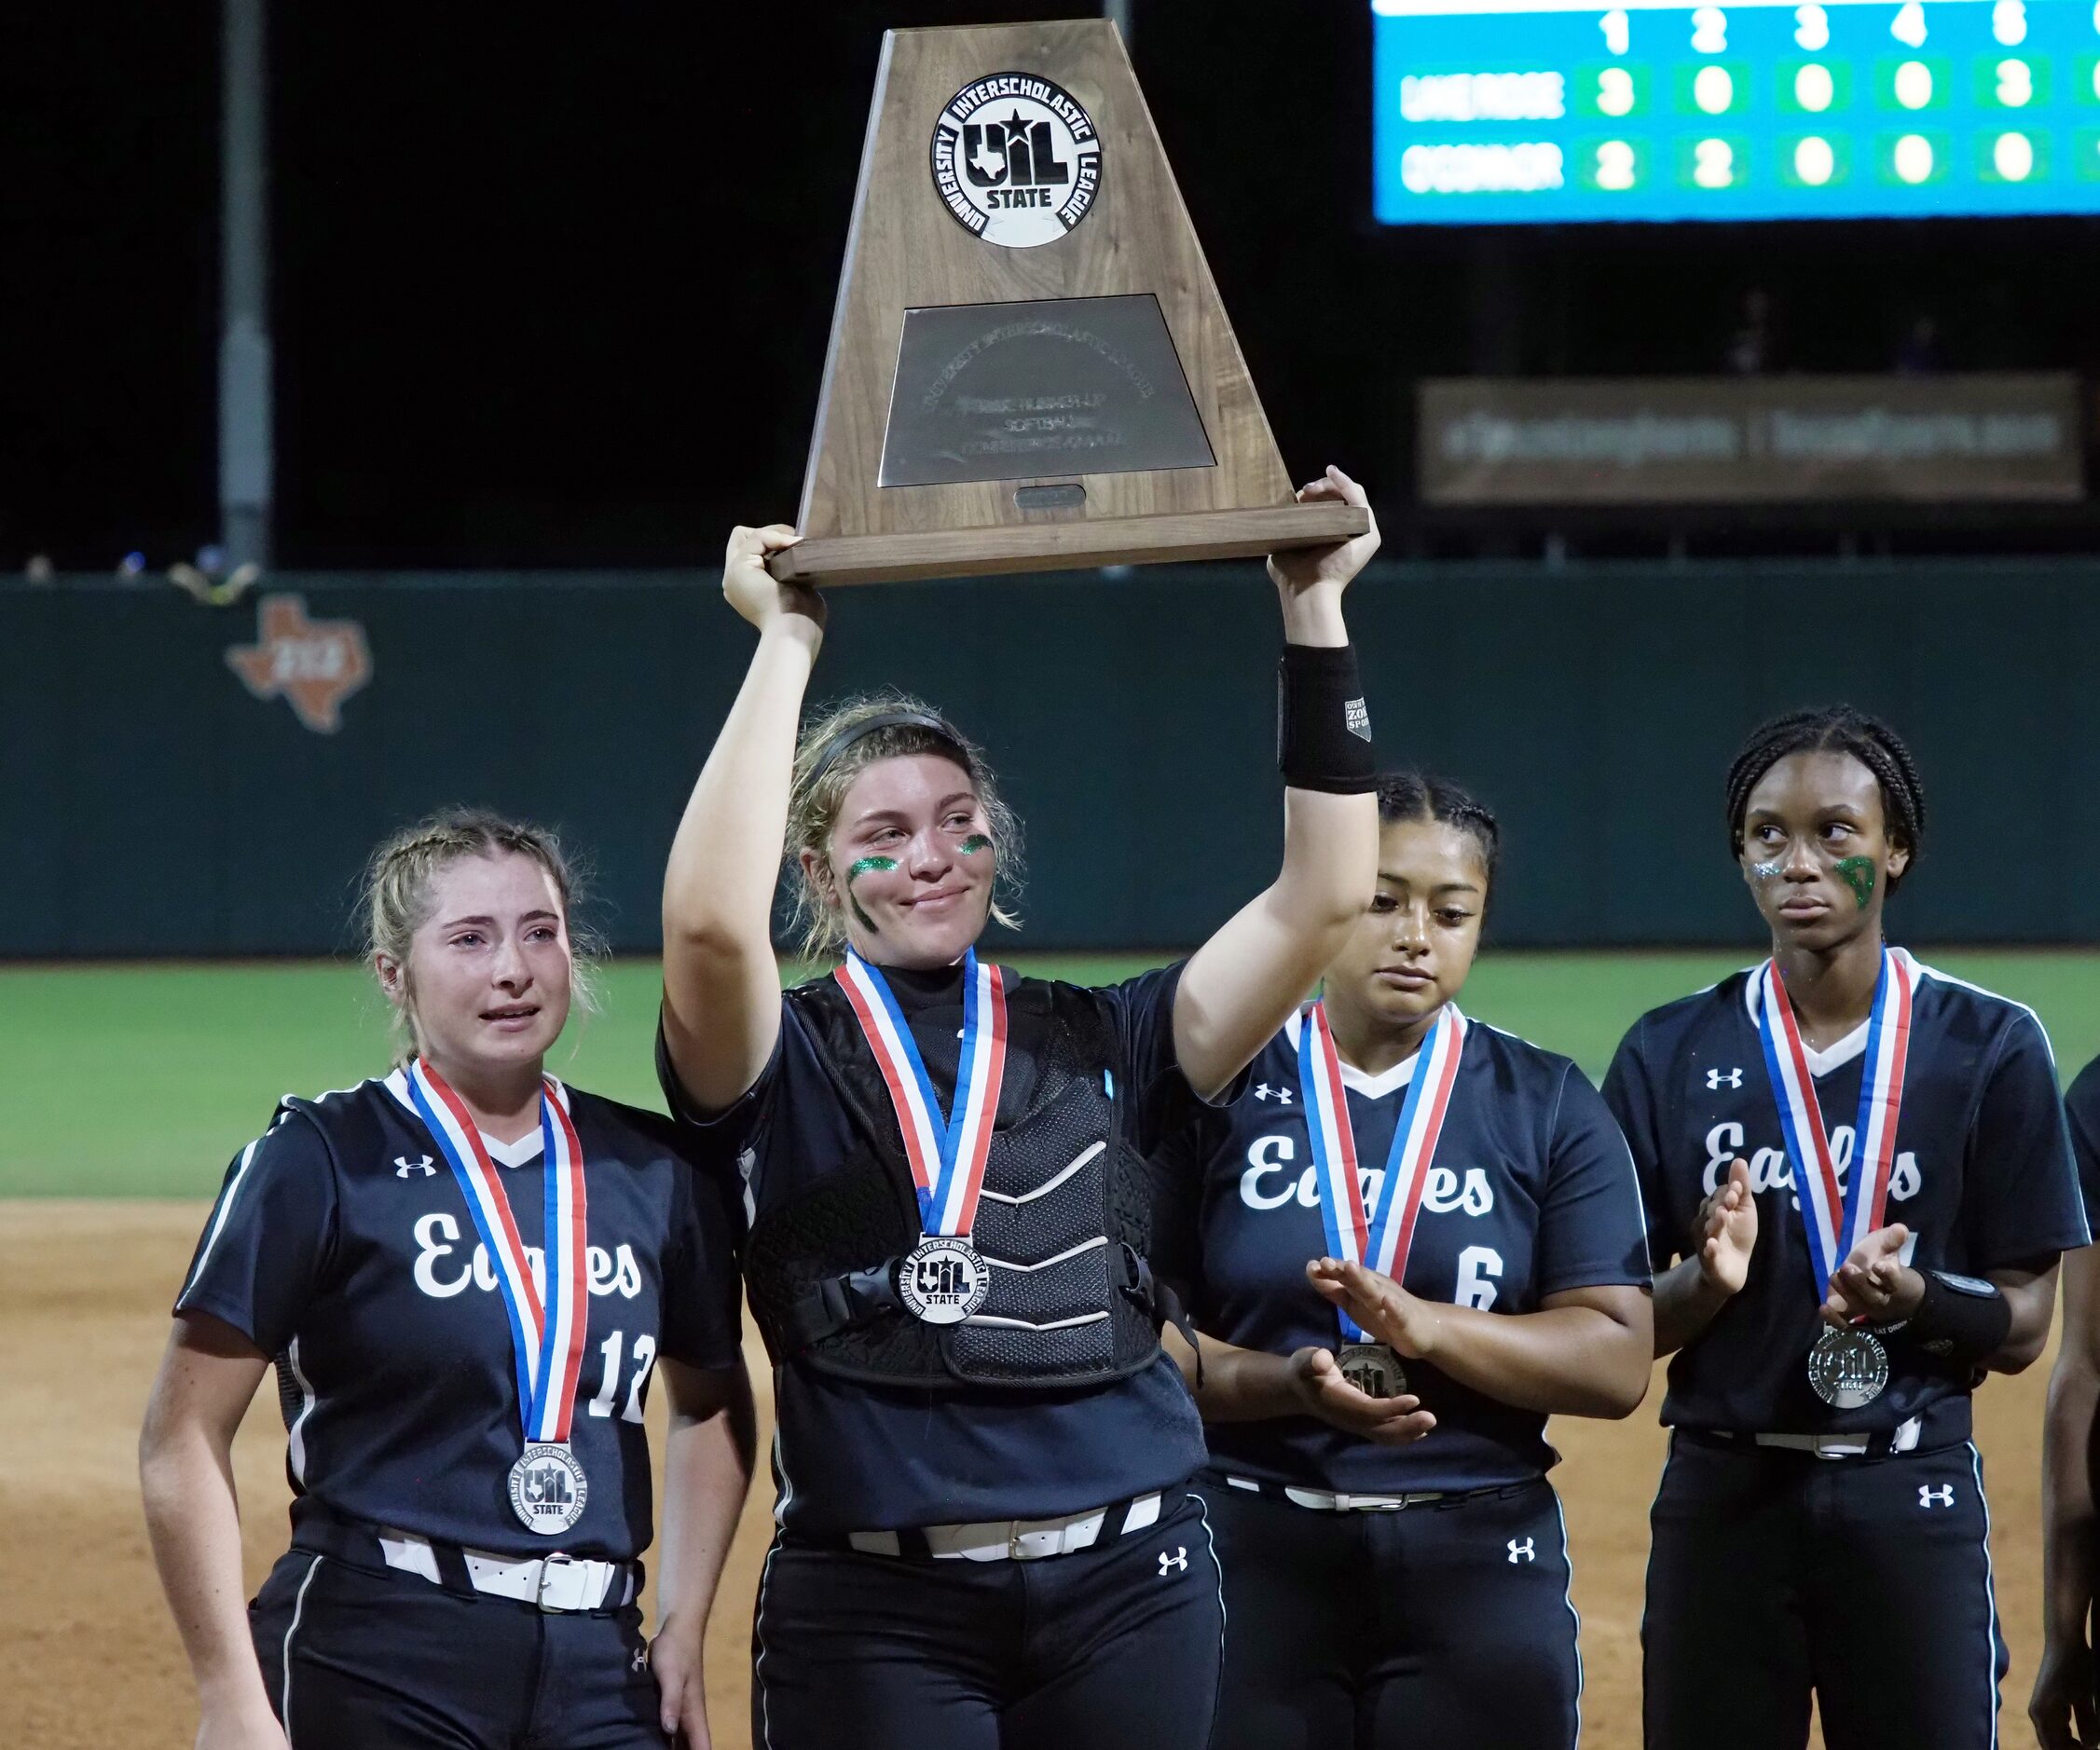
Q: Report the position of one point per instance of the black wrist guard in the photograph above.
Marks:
(1962, 1320)
(1323, 729)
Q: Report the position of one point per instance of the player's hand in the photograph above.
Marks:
(1724, 1230)
(753, 591)
(2065, 1708)
(251, 1727)
(1405, 1322)
(1317, 1378)
(1873, 1283)
(681, 1696)
(1302, 567)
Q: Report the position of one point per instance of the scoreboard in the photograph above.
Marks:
(1502, 112)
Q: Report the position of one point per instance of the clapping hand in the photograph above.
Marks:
(1873, 1284)
(1403, 1321)
(1724, 1230)
(1317, 1378)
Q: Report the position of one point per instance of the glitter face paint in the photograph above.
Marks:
(1765, 871)
(976, 841)
(1857, 872)
(866, 866)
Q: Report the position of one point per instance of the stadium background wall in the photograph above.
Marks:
(151, 805)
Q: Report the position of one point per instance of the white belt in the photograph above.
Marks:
(1013, 1539)
(1323, 1501)
(1842, 1445)
(554, 1583)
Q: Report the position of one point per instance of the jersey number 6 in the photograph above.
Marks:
(1478, 1267)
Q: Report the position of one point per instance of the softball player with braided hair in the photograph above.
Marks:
(466, 1275)
(1413, 1240)
(1859, 1183)
(985, 1537)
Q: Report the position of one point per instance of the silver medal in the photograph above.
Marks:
(1373, 1368)
(1847, 1368)
(943, 1282)
(548, 1489)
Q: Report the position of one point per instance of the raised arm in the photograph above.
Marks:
(722, 986)
(1242, 984)
(185, 1474)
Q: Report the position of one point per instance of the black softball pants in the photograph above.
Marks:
(1444, 1623)
(1773, 1574)
(358, 1658)
(1112, 1648)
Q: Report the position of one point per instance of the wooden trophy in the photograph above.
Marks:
(1030, 368)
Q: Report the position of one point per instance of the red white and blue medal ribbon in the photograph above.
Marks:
(1836, 1218)
(1379, 1235)
(547, 1316)
(947, 1150)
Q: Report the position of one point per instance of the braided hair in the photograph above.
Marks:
(1835, 728)
(1415, 796)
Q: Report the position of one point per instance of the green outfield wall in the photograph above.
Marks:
(170, 784)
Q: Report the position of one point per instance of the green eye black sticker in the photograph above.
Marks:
(1857, 872)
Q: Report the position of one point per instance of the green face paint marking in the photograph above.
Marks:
(866, 866)
(1857, 872)
(976, 841)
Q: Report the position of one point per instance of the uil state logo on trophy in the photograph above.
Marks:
(1016, 159)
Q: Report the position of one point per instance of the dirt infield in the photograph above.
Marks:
(87, 1656)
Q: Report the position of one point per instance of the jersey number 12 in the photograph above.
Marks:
(645, 1355)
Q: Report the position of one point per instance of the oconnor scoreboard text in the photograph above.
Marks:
(1508, 111)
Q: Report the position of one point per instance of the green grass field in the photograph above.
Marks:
(144, 1080)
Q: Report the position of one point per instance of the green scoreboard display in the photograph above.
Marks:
(1502, 111)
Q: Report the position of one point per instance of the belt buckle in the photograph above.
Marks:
(549, 1566)
(1364, 1504)
(1025, 1545)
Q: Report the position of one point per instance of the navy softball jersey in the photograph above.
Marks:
(1982, 1179)
(342, 1246)
(851, 1457)
(1531, 1193)
(2081, 1106)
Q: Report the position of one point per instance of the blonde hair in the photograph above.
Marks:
(825, 772)
(397, 899)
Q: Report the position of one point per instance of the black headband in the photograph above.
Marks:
(854, 733)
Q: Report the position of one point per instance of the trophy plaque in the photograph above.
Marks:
(1029, 367)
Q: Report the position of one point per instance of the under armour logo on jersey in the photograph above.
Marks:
(1522, 1552)
(641, 1661)
(1178, 1562)
(1942, 1496)
(1716, 1080)
(1281, 1096)
(403, 1166)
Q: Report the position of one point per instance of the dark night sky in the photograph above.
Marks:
(551, 286)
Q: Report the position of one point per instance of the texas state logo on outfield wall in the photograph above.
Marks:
(313, 665)
(1016, 159)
